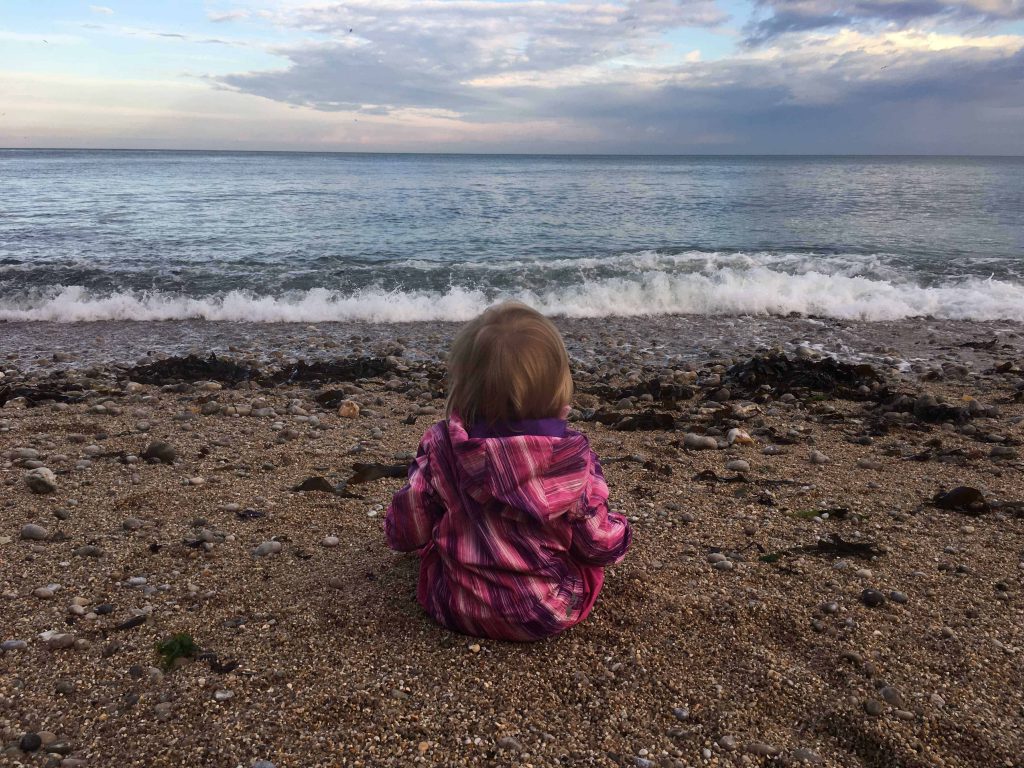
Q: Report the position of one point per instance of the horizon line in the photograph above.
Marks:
(510, 154)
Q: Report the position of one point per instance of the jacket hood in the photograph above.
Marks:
(545, 477)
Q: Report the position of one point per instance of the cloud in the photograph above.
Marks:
(581, 75)
(425, 54)
(223, 16)
(102, 10)
(778, 17)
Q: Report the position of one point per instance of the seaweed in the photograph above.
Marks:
(827, 376)
(666, 394)
(178, 646)
(71, 393)
(344, 369)
(315, 483)
(831, 547)
(174, 370)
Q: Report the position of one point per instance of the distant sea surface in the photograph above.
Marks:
(282, 237)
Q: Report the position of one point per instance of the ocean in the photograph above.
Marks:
(295, 237)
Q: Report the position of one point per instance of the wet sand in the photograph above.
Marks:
(719, 641)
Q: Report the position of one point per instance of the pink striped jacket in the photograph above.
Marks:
(513, 530)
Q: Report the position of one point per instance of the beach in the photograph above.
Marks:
(807, 597)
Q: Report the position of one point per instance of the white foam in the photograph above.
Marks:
(719, 291)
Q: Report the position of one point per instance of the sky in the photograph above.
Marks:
(561, 76)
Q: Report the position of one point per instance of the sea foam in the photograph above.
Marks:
(753, 289)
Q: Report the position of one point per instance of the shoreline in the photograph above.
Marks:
(699, 652)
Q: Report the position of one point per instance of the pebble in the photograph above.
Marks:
(723, 565)
(681, 713)
(716, 557)
(819, 458)
(872, 598)
(891, 696)
(874, 707)
(160, 451)
(699, 442)
(898, 597)
(32, 532)
(30, 742)
(869, 464)
(762, 749)
(41, 480)
(728, 743)
(738, 465)
(805, 755)
(267, 548)
(223, 695)
(88, 550)
(13, 645)
(263, 764)
(508, 742)
(348, 409)
(331, 541)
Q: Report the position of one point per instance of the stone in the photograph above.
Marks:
(728, 743)
(32, 532)
(738, 465)
(64, 687)
(898, 597)
(761, 749)
(263, 764)
(13, 645)
(331, 541)
(30, 742)
(681, 713)
(41, 480)
(874, 707)
(508, 742)
(348, 409)
(223, 695)
(723, 565)
(872, 598)
(891, 696)
(805, 755)
(267, 548)
(88, 550)
(160, 451)
(818, 458)
(699, 442)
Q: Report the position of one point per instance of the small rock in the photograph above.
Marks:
(88, 550)
(348, 409)
(872, 598)
(508, 742)
(699, 442)
(30, 742)
(13, 645)
(761, 749)
(891, 696)
(874, 707)
(32, 532)
(805, 755)
(41, 480)
(223, 695)
(738, 465)
(160, 451)
(728, 743)
(681, 713)
(331, 541)
(898, 597)
(819, 458)
(267, 548)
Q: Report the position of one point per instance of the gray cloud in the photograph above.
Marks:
(858, 93)
(782, 16)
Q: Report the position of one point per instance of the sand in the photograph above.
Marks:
(683, 662)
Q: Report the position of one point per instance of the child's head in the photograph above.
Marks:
(508, 364)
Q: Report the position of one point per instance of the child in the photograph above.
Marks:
(506, 505)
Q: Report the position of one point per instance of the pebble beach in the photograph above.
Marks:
(827, 566)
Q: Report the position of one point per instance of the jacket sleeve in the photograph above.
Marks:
(599, 537)
(415, 508)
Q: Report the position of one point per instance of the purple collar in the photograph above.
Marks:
(536, 427)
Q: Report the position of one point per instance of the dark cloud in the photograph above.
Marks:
(851, 92)
(778, 17)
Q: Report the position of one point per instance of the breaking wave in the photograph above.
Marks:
(724, 290)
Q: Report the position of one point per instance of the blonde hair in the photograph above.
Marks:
(506, 365)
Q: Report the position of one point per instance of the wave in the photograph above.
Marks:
(723, 291)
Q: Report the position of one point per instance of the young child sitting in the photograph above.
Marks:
(506, 505)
